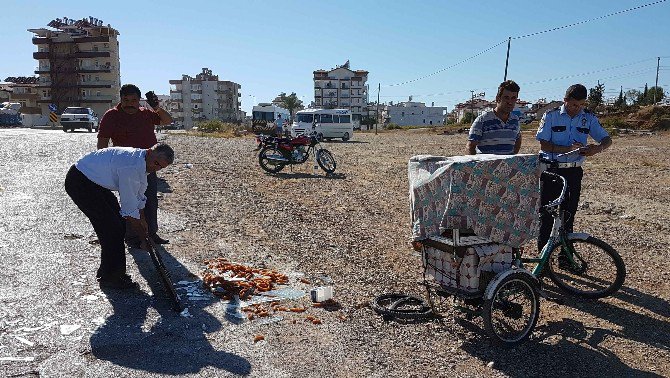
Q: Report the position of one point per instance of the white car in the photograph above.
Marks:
(77, 117)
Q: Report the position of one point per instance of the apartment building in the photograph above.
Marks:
(23, 90)
(411, 113)
(476, 106)
(78, 64)
(342, 88)
(203, 98)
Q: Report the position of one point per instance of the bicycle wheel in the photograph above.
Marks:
(269, 159)
(511, 311)
(592, 270)
(326, 160)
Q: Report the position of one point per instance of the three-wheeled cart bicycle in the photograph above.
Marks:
(471, 217)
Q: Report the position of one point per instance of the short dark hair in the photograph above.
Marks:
(129, 89)
(165, 151)
(510, 85)
(576, 92)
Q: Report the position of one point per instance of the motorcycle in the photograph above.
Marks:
(263, 140)
(280, 152)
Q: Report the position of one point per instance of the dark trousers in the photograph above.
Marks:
(151, 207)
(102, 209)
(550, 189)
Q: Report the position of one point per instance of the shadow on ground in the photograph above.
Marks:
(173, 344)
(580, 349)
(301, 175)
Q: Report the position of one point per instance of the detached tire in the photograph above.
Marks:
(345, 137)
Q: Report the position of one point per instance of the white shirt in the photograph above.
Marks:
(121, 169)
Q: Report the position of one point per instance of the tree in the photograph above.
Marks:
(468, 117)
(633, 96)
(368, 121)
(291, 102)
(595, 98)
(621, 101)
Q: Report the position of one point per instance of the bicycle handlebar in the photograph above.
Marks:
(553, 163)
(561, 197)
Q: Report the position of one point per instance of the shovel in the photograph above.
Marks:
(165, 276)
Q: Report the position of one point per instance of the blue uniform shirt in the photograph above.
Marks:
(560, 129)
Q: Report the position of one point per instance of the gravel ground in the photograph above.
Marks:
(351, 228)
(354, 228)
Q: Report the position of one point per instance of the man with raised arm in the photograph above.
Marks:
(129, 125)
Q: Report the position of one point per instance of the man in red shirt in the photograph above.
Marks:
(129, 125)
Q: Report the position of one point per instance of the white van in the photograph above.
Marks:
(330, 123)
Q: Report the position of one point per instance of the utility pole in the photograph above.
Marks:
(658, 64)
(472, 104)
(509, 42)
(379, 88)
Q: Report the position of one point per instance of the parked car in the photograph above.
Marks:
(75, 117)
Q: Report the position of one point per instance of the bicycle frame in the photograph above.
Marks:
(557, 236)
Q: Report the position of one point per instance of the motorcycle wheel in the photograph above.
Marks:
(266, 159)
(326, 160)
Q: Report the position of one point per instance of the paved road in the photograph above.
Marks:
(54, 319)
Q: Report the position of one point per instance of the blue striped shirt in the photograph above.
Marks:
(493, 135)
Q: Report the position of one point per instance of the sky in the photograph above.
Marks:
(435, 51)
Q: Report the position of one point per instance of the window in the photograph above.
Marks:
(326, 118)
(308, 118)
(345, 119)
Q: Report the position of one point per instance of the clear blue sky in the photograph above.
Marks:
(270, 47)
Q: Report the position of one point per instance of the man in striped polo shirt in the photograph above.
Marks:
(497, 131)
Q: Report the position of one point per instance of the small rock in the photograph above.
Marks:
(490, 364)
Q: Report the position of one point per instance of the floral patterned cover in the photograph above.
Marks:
(497, 196)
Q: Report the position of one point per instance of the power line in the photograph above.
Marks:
(447, 68)
(589, 20)
(627, 74)
(525, 36)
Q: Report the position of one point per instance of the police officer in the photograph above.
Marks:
(562, 130)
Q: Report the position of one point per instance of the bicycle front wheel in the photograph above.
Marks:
(590, 269)
(510, 314)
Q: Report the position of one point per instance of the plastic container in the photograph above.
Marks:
(321, 293)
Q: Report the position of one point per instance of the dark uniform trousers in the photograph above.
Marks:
(550, 189)
(102, 209)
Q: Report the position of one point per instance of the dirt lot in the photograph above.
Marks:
(354, 228)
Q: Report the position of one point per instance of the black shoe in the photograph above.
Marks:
(158, 240)
(123, 282)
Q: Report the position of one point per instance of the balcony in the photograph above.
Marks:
(96, 98)
(92, 68)
(97, 84)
